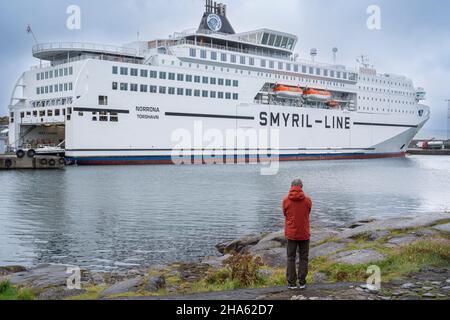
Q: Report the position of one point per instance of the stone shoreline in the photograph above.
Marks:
(357, 244)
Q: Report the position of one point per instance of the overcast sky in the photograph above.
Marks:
(414, 39)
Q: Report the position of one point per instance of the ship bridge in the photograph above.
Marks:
(63, 51)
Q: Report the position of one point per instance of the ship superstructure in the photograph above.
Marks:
(122, 105)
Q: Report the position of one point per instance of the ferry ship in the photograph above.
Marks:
(121, 105)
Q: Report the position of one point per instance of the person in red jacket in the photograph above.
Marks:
(297, 209)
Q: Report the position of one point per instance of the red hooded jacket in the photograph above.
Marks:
(297, 209)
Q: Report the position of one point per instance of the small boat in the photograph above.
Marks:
(320, 95)
(288, 92)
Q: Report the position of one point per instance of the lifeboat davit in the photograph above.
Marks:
(320, 95)
(332, 104)
(288, 92)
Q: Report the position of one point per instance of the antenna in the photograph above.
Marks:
(313, 54)
(335, 51)
(364, 61)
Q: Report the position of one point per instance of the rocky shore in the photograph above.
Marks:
(413, 255)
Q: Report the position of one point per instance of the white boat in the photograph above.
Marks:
(133, 104)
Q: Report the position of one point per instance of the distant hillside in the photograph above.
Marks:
(4, 121)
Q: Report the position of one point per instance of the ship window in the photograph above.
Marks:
(50, 89)
(192, 52)
(50, 74)
(345, 75)
(295, 67)
(66, 71)
(280, 65)
(251, 61)
(311, 70)
(144, 73)
(70, 71)
(162, 90)
(115, 70)
(114, 119)
(271, 39)
(212, 94)
(189, 92)
(235, 83)
(243, 60)
(197, 79)
(205, 93)
(228, 96)
(203, 54)
(153, 89)
(213, 81)
(70, 86)
(332, 73)
(213, 55)
(124, 71)
(171, 90)
(180, 91)
(180, 77)
(114, 85)
(171, 76)
(265, 38)
(94, 118)
(41, 113)
(205, 80)
(103, 118)
(263, 63)
(223, 57)
(278, 41)
(235, 96)
(228, 83)
(143, 88)
(57, 112)
(22, 114)
(271, 64)
(46, 75)
(81, 114)
(197, 93)
(124, 86)
(35, 113)
(38, 90)
(220, 95)
(288, 66)
(338, 75)
(221, 82)
(153, 74)
(318, 71)
(38, 76)
(188, 78)
(233, 58)
(134, 87)
(162, 75)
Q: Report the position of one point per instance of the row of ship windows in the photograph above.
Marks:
(54, 73)
(386, 110)
(55, 88)
(174, 91)
(96, 116)
(172, 76)
(398, 84)
(243, 60)
(403, 93)
(386, 100)
(51, 102)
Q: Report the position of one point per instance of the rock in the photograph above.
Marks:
(408, 286)
(275, 236)
(425, 220)
(446, 288)
(429, 295)
(402, 240)
(356, 224)
(275, 258)
(358, 256)
(299, 298)
(263, 245)
(385, 298)
(59, 294)
(41, 277)
(155, 283)
(443, 228)
(448, 280)
(238, 245)
(372, 235)
(436, 283)
(425, 232)
(11, 269)
(215, 262)
(398, 293)
(319, 235)
(326, 249)
(130, 285)
(427, 288)
(320, 277)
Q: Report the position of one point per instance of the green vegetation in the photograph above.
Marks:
(8, 292)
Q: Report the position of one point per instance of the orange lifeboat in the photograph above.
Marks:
(332, 104)
(288, 92)
(320, 95)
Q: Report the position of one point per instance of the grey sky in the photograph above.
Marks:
(414, 40)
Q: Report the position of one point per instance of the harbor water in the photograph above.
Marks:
(106, 218)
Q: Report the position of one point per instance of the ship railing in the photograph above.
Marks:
(84, 46)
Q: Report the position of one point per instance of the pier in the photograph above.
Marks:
(13, 162)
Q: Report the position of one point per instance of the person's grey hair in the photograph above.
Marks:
(297, 183)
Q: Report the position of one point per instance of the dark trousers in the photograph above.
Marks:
(303, 250)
